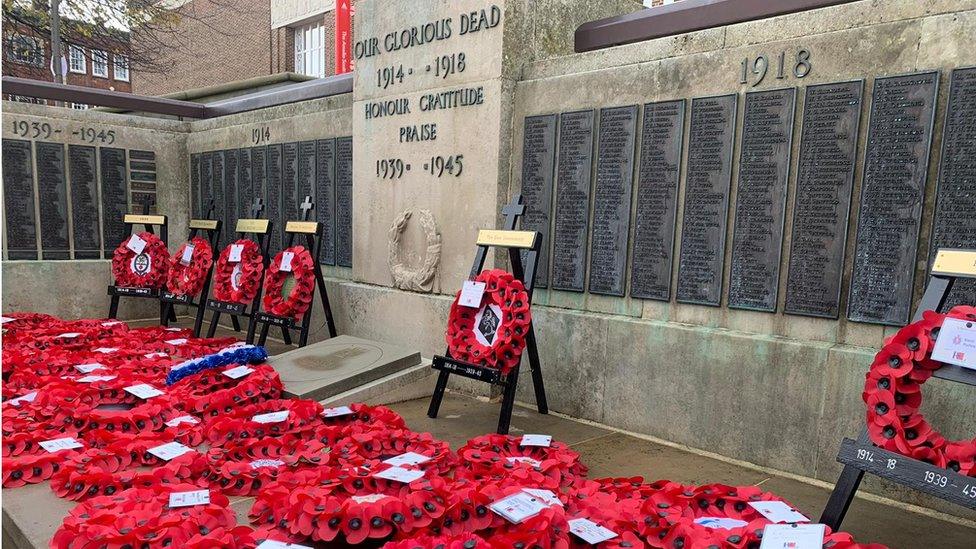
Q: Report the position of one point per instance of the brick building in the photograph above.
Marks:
(227, 42)
(27, 54)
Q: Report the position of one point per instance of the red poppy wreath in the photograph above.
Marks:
(492, 334)
(893, 394)
(188, 269)
(294, 263)
(238, 281)
(140, 261)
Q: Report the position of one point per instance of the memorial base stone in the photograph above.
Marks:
(328, 368)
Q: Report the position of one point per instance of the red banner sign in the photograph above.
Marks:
(343, 37)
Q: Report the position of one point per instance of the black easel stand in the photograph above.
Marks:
(116, 292)
(312, 231)
(260, 230)
(515, 242)
(212, 229)
(861, 456)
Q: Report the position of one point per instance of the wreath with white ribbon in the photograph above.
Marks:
(419, 279)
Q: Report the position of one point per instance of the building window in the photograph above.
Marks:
(121, 67)
(99, 63)
(79, 106)
(310, 50)
(76, 59)
(25, 49)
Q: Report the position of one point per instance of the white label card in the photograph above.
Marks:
(29, 397)
(176, 421)
(187, 255)
(67, 335)
(409, 458)
(187, 499)
(286, 258)
(5, 319)
(179, 341)
(266, 463)
(144, 391)
(589, 531)
(235, 253)
(724, 523)
(273, 417)
(471, 293)
(399, 474)
(111, 323)
(546, 496)
(337, 411)
(793, 536)
(58, 444)
(169, 450)
(174, 329)
(106, 350)
(536, 440)
(155, 355)
(93, 379)
(524, 459)
(89, 368)
(275, 544)
(956, 343)
(136, 244)
(777, 511)
(238, 372)
(371, 498)
(518, 507)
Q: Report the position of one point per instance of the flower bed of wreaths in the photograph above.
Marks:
(893, 394)
(348, 475)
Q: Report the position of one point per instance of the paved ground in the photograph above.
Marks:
(609, 453)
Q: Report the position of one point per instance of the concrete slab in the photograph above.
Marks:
(330, 367)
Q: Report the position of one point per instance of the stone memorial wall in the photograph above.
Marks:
(68, 178)
(280, 155)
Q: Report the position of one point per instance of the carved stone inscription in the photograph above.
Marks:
(344, 201)
(760, 206)
(219, 165)
(306, 176)
(825, 178)
(611, 202)
(52, 192)
(706, 200)
(195, 198)
(574, 170)
(538, 158)
(272, 209)
(84, 202)
(954, 225)
(325, 198)
(245, 185)
(114, 198)
(230, 193)
(657, 198)
(206, 188)
(18, 199)
(892, 191)
(289, 187)
(259, 180)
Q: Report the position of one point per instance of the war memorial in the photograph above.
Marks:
(545, 273)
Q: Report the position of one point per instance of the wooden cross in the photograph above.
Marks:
(256, 207)
(512, 211)
(306, 207)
